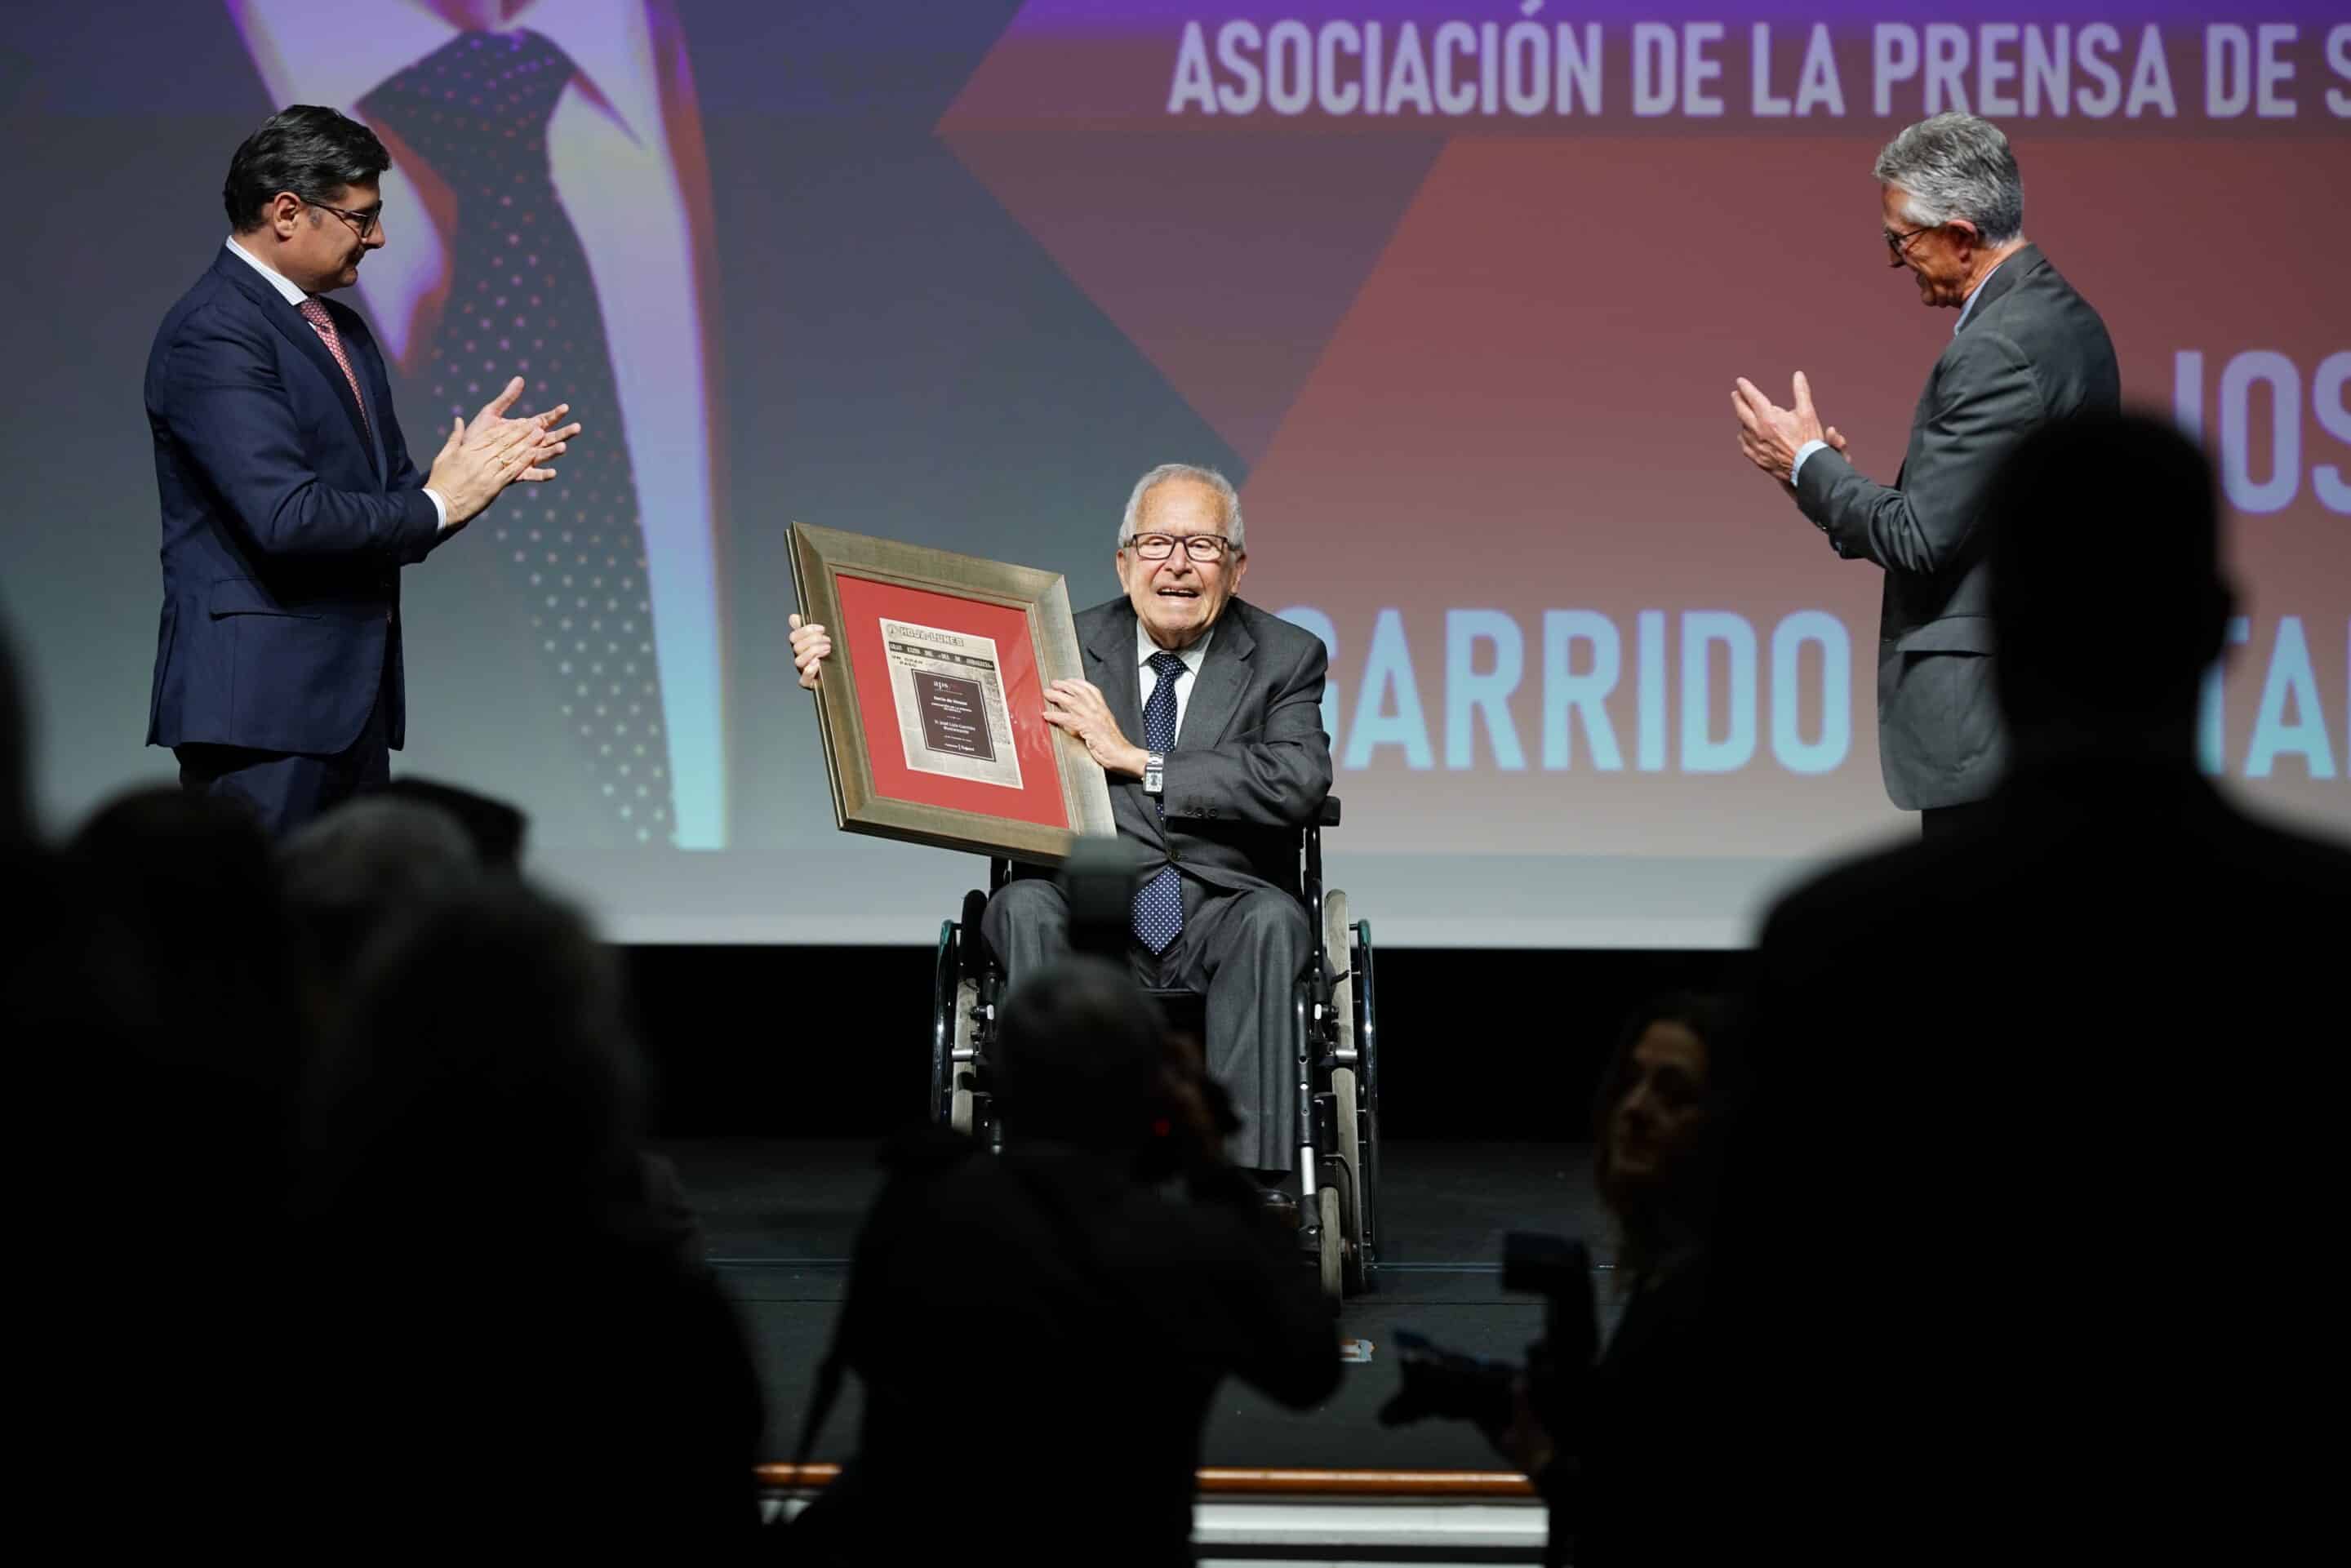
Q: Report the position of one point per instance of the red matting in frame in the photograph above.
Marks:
(864, 605)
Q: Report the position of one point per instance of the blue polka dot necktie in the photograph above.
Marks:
(521, 301)
(1159, 902)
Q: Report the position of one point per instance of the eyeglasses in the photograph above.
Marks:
(1900, 243)
(362, 222)
(1203, 547)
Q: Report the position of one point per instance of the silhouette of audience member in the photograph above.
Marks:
(1607, 1454)
(349, 872)
(16, 756)
(100, 1214)
(189, 879)
(495, 828)
(503, 1335)
(1053, 1307)
(352, 873)
(2023, 1236)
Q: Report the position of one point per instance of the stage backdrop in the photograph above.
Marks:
(1456, 292)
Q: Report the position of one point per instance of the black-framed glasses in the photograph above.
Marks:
(1202, 548)
(1898, 245)
(363, 222)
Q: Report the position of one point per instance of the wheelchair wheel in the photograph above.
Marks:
(1332, 1263)
(1339, 948)
(966, 1023)
(1350, 1168)
(943, 1020)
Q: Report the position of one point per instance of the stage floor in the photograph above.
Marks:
(780, 1217)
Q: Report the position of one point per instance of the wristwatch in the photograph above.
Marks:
(1154, 766)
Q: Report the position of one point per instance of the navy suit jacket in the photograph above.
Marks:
(286, 518)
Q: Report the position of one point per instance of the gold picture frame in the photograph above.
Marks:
(821, 556)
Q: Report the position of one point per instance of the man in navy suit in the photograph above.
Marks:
(289, 498)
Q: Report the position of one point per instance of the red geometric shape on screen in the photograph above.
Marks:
(1228, 255)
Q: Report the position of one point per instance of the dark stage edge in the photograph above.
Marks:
(780, 1216)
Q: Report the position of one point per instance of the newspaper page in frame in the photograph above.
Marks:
(950, 697)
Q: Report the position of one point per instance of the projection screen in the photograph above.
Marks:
(1455, 292)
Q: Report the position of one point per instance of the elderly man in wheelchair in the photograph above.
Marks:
(1206, 714)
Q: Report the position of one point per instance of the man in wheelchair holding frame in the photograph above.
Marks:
(1206, 714)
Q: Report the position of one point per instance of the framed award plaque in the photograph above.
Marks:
(932, 704)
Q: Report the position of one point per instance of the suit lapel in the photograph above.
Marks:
(289, 325)
(1111, 664)
(1217, 694)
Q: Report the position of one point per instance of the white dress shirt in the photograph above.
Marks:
(619, 135)
(1809, 447)
(293, 295)
(1145, 648)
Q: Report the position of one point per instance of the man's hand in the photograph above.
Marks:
(481, 458)
(811, 643)
(1078, 709)
(1770, 435)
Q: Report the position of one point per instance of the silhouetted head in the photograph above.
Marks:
(348, 873)
(1658, 1122)
(186, 885)
(495, 826)
(190, 877)
(2107, 599)
(1082, 1051)
(485, 1074)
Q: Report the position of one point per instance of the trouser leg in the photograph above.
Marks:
(1247, 950)
(1027, 923)
(284, 789)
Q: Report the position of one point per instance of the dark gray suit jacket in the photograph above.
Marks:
(2029, 351)
(1251, 765)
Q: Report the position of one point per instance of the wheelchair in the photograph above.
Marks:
(1335, 1038)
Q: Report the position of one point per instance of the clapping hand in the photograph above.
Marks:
(1770, 435)
(482, 456)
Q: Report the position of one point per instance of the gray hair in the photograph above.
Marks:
(1957, 167)
(1208, 476)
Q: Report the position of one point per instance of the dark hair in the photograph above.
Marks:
(485, 1063)
(1685, 1204)
(496, 828)
(1083, 1048)
(2087, 515)
(349, 873)
(309, 150)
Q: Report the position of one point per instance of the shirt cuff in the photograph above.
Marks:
(440, 508)
(1794, 469)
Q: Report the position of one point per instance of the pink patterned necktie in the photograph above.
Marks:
(316, 314)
